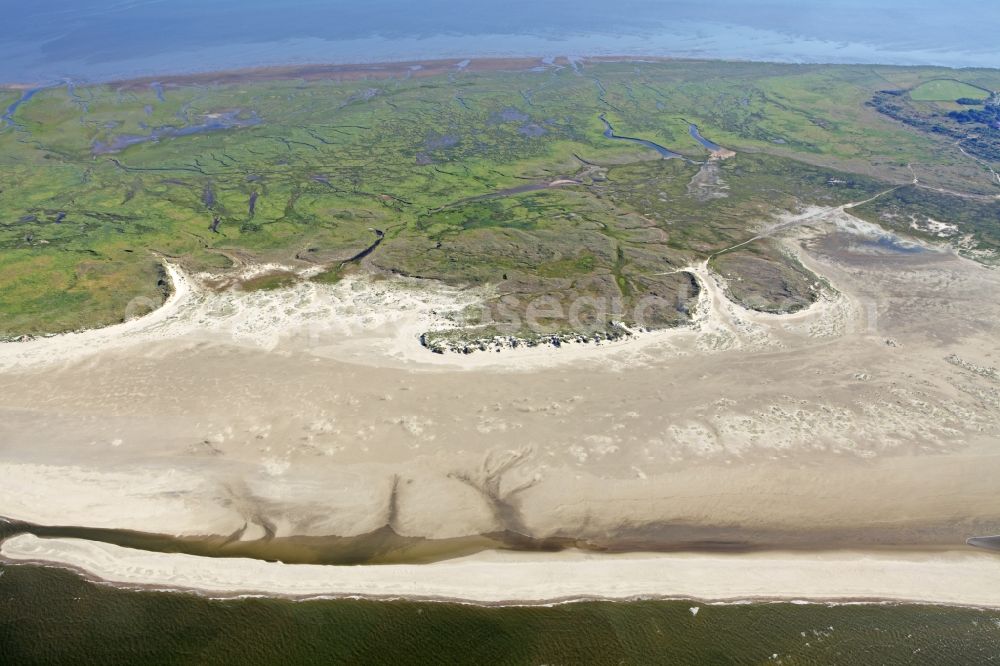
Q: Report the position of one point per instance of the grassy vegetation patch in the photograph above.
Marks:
(269, 281)
(455, 171)
(947, 90)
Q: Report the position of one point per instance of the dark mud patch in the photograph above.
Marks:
(707, 184)
(381, 546)
(877, 251)
(438, 141)
(386, 546)
(765, 280)
(508, 114)
(532, 130)
(213, 122)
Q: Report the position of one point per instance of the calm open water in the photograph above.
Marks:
(54, 616)
(92, 40)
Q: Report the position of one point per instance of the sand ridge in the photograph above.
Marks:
(505, 578)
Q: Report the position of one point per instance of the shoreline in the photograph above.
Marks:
(319, 70)
(457, 601)
(422, 67)
(500, 578)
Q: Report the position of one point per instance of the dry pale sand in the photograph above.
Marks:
(869, 420)
(497, 577)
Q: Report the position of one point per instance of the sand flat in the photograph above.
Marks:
(866, 421)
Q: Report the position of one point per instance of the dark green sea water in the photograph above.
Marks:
(52, 616)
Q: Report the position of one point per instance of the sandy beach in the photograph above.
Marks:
(495, 577)
(810, 441)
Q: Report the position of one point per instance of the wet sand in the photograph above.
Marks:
(866, 421)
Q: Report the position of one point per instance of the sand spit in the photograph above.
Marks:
(497, 577)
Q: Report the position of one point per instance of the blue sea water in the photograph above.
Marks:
(104, 39)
